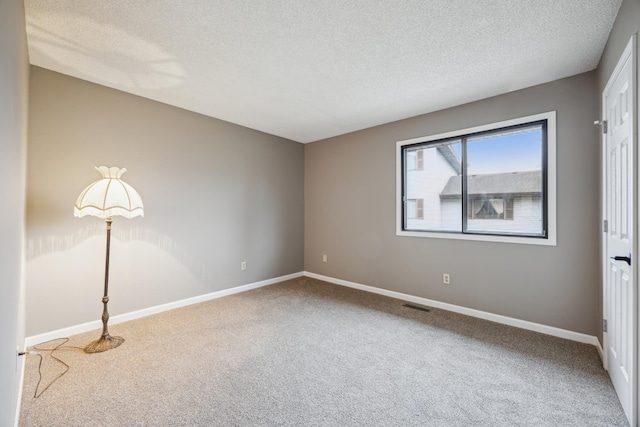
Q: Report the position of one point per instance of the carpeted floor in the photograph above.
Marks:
(310, 353)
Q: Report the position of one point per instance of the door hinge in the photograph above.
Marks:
(604, 325)
(605, 226)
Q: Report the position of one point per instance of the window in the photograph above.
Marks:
(482, 208)
(494, 182)
(415, 209)
(415, 160)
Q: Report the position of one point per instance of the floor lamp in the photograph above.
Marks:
(105, 199)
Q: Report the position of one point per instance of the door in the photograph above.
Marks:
(620, 212)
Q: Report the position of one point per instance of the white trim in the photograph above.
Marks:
(551, 183)
(523, 324)
(90, 326)
(603, 236)
(600, 353)
(510, 321)
(19, 404)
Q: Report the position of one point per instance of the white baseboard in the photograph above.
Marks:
(114, 320)
(523, 324)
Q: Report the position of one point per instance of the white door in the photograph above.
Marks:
(620, 212)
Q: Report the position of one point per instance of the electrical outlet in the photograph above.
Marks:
(446, 279)
(324, 257)
(243, 265)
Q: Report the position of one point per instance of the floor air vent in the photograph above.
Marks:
(415, 307)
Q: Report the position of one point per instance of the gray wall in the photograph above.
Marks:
(350, 216)
(14, 78)
(627, 23)
(215, 194)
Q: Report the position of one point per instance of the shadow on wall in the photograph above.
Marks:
(44, 245)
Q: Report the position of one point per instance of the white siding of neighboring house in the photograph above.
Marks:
(451, 214)
(427, 184)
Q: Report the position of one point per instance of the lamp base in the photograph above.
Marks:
(106, 342)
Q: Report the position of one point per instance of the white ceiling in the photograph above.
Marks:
(309, 70)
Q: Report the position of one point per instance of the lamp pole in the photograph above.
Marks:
(106, 341)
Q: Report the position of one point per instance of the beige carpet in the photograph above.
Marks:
(309, 353)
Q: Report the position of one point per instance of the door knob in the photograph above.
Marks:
(626, 259)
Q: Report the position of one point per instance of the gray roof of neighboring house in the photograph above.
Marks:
(496, 184)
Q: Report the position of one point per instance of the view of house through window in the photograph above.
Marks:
(491, 182)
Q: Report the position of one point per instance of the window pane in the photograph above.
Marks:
(410, 160)
(504, 181)
(485, 208)
(432, 189)
(411, 209)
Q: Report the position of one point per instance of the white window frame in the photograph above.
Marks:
(550, 240)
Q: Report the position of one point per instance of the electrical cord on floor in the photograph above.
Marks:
(38, 349)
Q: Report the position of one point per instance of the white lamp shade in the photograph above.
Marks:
(109, 197)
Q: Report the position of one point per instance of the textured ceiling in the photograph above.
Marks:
(309, 70)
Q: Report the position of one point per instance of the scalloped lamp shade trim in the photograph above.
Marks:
(109, 197)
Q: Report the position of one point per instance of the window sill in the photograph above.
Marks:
(551, 241)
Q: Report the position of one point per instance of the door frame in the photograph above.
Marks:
(630, 52)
